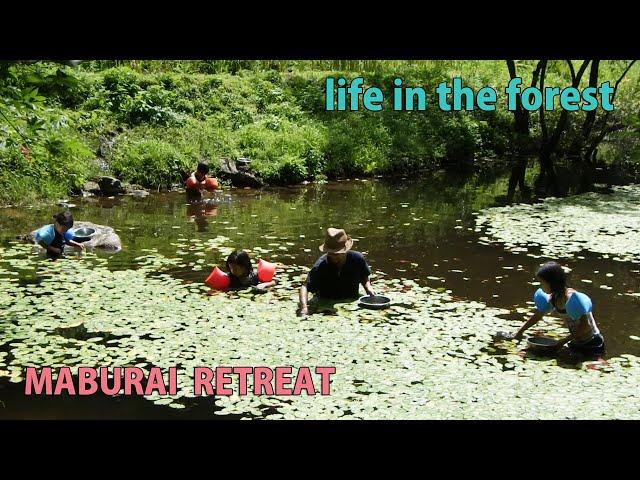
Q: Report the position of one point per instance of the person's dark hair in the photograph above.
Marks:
(203, 168)
(64, 218)
(240, 257)
(555, 276)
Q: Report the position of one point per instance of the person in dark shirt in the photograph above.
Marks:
(338, 273)
(242, 274)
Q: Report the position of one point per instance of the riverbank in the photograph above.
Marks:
(148, 123)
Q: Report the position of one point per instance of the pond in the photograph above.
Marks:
(436, 248)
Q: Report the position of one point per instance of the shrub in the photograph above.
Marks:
(150, 162)
(150, 106)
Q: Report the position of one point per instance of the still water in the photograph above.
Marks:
(422, 230)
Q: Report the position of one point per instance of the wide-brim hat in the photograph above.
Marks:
(336, 240)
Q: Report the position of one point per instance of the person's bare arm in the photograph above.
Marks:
(564, 340)
(368, 288)
(535, 318)
(79, 245)
(304, 300)
(583, 321)
(198, 182)
(265, 285)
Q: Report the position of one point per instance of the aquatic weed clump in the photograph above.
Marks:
(607, 224)
(428, 356)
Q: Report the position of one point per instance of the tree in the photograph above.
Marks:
(583, 146)
(522, 137)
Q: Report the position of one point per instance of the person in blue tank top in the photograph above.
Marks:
(55, 236)
(574, 307)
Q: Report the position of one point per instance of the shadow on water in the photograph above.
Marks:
(14, 404)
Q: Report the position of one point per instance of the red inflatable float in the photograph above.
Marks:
(211, 184)
(193, 184)
(218, 279)
(266, 270)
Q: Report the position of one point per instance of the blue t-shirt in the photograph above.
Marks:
(327, 281)
(578, 304)
(47, 234)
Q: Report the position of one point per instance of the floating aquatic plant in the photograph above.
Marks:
(428, 356)
(607, 224)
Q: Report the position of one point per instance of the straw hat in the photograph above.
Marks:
(336, 240)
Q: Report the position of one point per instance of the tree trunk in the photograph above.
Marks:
(587, 176)
(520, 139)
(517, 179)
(551, 141)
(548, 173)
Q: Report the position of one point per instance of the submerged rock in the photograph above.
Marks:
(138, 193)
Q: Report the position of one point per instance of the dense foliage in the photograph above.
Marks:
(169, 115)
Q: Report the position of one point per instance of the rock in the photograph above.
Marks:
(110, 186)
(105, 237)
(107, 142)
(66, 205)
(229, 171)
(101, 164)
(138, 193)
(91, 187)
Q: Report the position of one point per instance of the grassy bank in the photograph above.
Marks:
(170, 115)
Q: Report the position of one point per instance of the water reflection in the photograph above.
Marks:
(409, 229)
(199, 211)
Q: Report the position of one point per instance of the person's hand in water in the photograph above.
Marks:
(79, 245)
(368, 288)
(560, 343)
(508, 336)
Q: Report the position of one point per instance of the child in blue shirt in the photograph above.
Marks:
(55, 236)
(573, 306)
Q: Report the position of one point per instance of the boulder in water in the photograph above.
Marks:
(138, 193)
(105, 237)
(110, 186)
(238, 178)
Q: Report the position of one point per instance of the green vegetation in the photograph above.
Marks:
(603, 223)
(428, 356)
(431, 355)
(172, 114)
